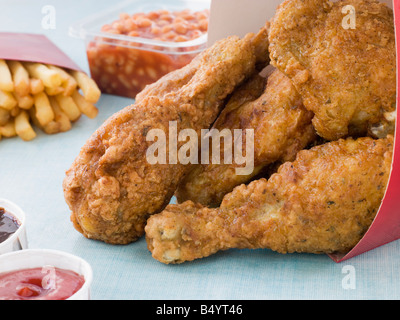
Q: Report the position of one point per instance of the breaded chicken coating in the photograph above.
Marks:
(323, 202)
(282, 127)
(341, 57)
(111, 188)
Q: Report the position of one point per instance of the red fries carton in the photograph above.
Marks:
(34, 48)
(386, 226)
(41, 87)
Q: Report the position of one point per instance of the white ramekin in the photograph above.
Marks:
(18, 240)
(36, 258)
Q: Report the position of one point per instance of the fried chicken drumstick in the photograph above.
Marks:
(345, 75)
(111, 188)
(282, 127)
(323, 202)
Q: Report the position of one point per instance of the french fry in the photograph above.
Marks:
(53, 91)
(90, 90)
(44, 112)
(68, 82)
(15, 111)
(86, 107)
(35, 121)
(8, 130)
(49, 77)
(20, 78)
(7, 100)
(6, 82)
(52, 127)
(69, 86)
(36, 86)
(24, 102)
(69, 107)
(23, 127)
(60, 116)
(49, 96)
(4, 116)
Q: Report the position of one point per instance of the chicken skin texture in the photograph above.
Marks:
(282, 127)
(323, 202)
(111, 188)
(346, 76)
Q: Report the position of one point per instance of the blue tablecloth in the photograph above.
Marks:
(31, 174)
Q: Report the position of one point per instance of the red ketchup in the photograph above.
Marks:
(47, 283)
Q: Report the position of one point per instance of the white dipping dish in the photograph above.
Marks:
(36, 258)
(18, 240)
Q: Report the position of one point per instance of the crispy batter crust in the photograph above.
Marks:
(111, 188)
(347, 77)
(323, 202)
(282, 127)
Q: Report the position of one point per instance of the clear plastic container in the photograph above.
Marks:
(122, 64)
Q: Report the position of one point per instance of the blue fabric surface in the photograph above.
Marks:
(31, 175)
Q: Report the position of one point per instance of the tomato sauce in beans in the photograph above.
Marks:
(125, 67)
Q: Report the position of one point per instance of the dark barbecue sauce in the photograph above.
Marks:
(8, 224)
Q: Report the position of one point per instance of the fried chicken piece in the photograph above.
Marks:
(323, 202)
(282, 127)
(111, 188)
(174, 81)
(347, 77)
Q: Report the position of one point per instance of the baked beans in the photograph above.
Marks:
(125, 67)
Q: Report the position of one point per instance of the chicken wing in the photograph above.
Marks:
(282, 127)
(111, 188)
(323, 202)
(341, 58)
